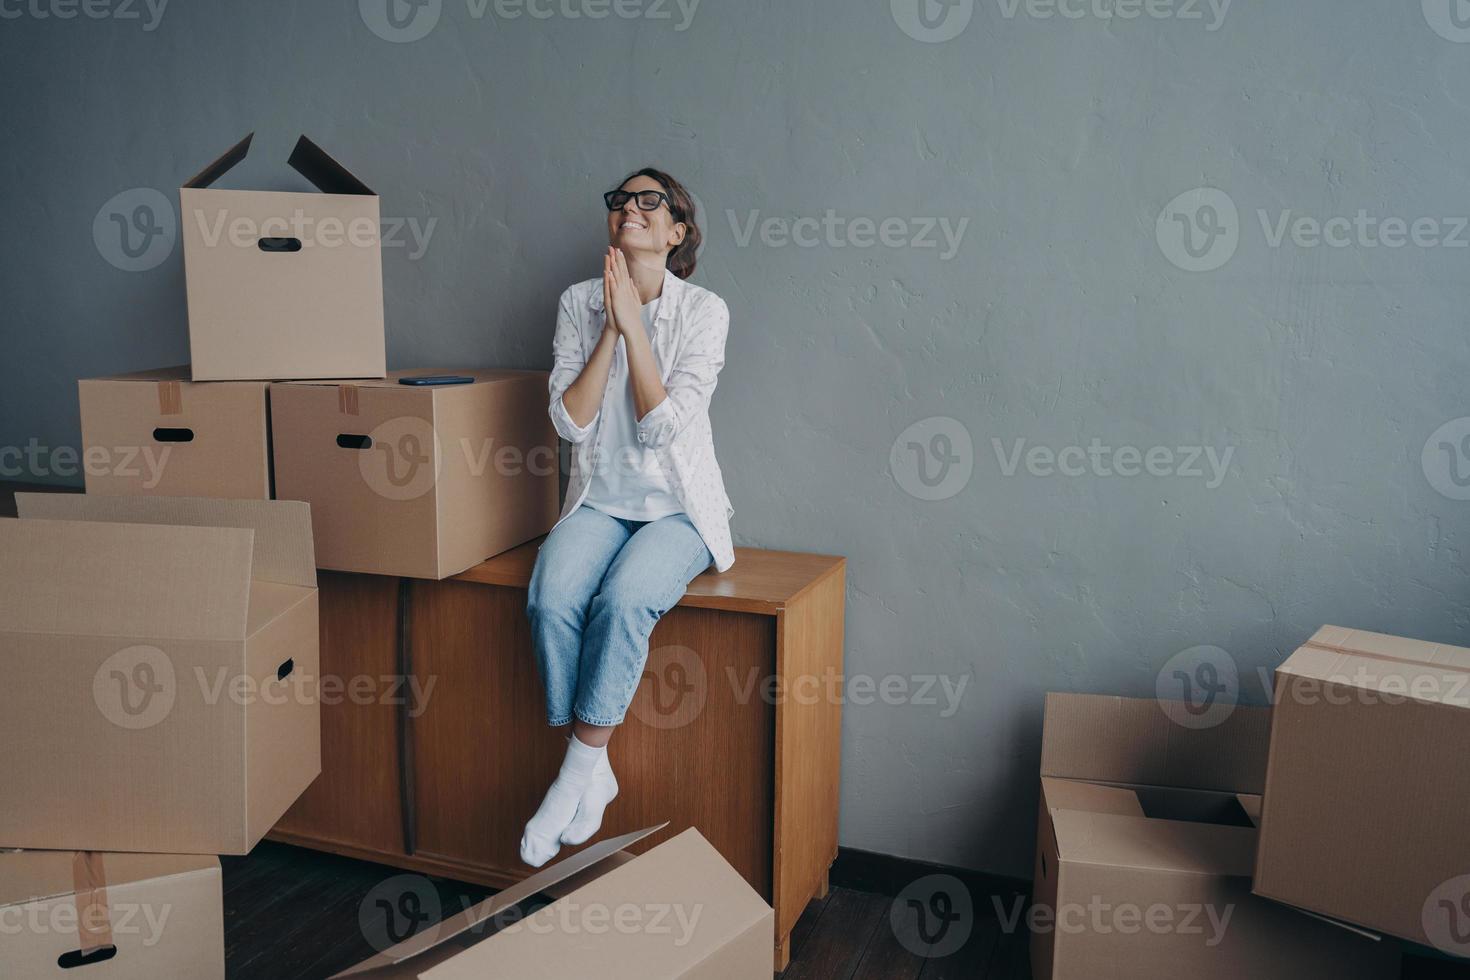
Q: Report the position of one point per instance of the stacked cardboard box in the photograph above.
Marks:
(1317, 830)
(284, 290)
(160, 634)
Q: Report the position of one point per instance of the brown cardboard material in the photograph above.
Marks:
(422, 482)
(161, 915)
(156, 432)
(677, 912)
(163, 653)
(1367, 793)
(283, 284)
(1144, 855)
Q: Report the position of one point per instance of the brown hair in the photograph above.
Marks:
(682, 259)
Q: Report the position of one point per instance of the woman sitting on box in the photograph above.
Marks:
(637, 353)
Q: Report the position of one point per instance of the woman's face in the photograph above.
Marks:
(650, 232)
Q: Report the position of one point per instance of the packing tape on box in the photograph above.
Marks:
(170, 398)
(94, 920)
(347, 399)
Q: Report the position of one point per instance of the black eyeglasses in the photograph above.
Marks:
(647, 200)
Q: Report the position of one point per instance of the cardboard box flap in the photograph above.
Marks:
(1066, 794)
(1119, 840)
(30, 876)
(1388, 676)
(694, 905)
(177, 373)
(283, 549)
(329, 176)
(1127, 740)
(455, 925)
(79, 578)
(220, 167)
(481, 376)
(1397, 648)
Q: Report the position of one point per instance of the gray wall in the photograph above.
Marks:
(1065, 316)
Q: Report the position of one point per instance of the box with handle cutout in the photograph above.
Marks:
(283, 284)
(163, 660)
(111, 916)
(157, 432)
(418, 481)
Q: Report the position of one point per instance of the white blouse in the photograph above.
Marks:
(688, 339)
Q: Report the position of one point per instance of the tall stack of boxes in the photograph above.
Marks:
(160, 634)
(1299, 840)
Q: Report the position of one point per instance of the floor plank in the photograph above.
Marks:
(835, 946)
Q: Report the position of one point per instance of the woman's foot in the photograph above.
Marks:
(601, 790)
(542, 837)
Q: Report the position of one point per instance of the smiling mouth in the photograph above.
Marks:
(630, 223)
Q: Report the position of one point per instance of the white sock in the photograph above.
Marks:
(600, 791)
(542, 838)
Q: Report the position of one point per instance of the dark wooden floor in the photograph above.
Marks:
(294, 914)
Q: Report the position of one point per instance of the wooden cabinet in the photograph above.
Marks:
(734, 729)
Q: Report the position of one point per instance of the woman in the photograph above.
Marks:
(637, 353)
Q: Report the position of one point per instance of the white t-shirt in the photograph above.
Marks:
(627, 481)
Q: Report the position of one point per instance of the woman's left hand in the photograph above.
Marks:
(626, 303)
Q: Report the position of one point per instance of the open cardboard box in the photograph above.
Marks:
(1144, 855)
(422, 482)
(1366, 816)
(71, 914)
(161, 656)
(156, 432)
(676, 912)
(283, 284)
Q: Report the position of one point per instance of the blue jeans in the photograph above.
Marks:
(600, 585)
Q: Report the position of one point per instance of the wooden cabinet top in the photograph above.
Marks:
(759, 582)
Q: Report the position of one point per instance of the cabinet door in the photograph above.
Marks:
(696, 749)
(354, 804)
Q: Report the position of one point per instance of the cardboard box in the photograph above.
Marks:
(423, 482)
(156, 432)
(1366, 816)
(161, 672)
(1144, 855)
(678, 912)
(110, 916)
(283, 284)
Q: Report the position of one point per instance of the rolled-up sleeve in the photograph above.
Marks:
(568, 361)
(691, 382)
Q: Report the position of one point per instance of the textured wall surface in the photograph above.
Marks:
(1149, 422)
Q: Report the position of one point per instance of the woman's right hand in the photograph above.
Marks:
(610, 325)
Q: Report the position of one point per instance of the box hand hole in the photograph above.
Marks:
(78, 957)
(279, 244)
(349, 441)
(173, 435)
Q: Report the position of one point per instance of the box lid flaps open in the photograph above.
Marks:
(470, 918)
(1127, 740)
(78, 578)
(283, 551)
(307, 159)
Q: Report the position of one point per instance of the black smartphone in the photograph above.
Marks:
(438, 379)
